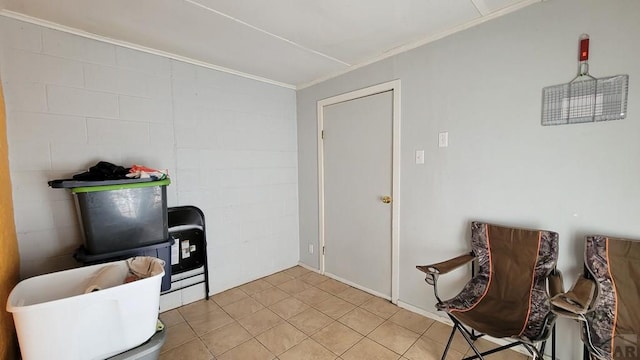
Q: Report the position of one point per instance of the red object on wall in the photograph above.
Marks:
(584, 48)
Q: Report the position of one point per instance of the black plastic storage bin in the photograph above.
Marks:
(122, 216)
(161, 251)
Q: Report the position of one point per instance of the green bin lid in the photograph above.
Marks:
(87, 189)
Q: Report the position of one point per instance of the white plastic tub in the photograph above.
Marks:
(55, 320)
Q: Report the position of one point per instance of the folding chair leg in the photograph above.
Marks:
(446, 349)
(465, 334)
(470, 337)
(475, 336)
(497, 349)
(585, 353)
(553, 342)
(537, 354)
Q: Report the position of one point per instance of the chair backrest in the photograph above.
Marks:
(510, 287)
(612, 328)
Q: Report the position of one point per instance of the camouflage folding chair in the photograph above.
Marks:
(507, 297)
(606, 299)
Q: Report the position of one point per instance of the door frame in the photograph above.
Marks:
(393, 86)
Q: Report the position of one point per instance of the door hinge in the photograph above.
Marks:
(322, 135)
(323, 250)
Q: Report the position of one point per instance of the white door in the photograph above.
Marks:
(358, 174)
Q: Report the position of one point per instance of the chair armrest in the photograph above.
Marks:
(446, 266)
(578, 300)
(555, 283)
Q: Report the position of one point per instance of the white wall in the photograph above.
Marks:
(229, 144)
(484, 86)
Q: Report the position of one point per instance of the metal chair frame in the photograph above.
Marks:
(470, 335)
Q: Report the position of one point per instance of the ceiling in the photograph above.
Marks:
(292, 43)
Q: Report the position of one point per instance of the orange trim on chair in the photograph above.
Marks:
(486, 230)
(615, 294)
(533, 281)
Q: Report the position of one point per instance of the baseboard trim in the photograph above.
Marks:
(424, 313)
(359, 287)
(350, 283)
(308, 267)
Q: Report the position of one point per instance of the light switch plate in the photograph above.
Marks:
(443, 139)
(419, 156)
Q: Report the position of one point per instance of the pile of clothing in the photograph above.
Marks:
(107, 171)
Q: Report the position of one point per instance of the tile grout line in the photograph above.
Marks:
(199, 337)
(293, 295)
(315, 308)
(284, 320)
(265, 307)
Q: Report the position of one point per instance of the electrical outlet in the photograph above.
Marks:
(310, 248)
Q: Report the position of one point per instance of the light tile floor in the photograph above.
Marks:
(298, 314)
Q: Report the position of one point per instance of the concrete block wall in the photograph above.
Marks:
(228, 142)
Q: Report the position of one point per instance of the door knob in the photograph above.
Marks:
(386, 199)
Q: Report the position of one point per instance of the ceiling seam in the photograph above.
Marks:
(481, 6)
(429, 39)
(195, 3)
(88, 35)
